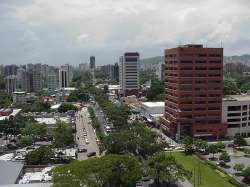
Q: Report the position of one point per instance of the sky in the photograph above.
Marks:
(69, 31)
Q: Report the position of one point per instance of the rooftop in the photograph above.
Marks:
(10, 171)
(14, 113)
(237, 98)
(154, 104)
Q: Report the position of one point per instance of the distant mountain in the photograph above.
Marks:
(244, 59)
(152, 60)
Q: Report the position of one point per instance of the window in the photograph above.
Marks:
(233, 114)
(244, 113)
(186, 61)
(233, 125)
(233, 120)
(244, 119)
(233, 108)
(201, 130)
(131, 59)
(245, 107)
(244, 124)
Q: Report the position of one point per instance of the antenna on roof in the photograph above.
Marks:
(221, 44)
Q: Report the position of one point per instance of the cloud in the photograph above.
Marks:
(61, 31)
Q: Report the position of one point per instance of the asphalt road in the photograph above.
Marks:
(83, 123)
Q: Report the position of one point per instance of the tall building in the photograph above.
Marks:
(129, 73)
(115, 75)
(10, 70)
(160, 71)
(83, 67)
(11, 83)
(65, 76)
(37, 78)
(52, 83)
(193, 92)
(92, 62)
(24, 80)
(1, 70)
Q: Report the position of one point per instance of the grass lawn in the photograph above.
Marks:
(209, 177)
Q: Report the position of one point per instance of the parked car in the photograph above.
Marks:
(82, 150)
(91, 154)
(221, 163)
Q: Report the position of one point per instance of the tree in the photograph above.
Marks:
(230, 88)
(25, 141)
(5, 100)
(212, 148)
(110, 170)
(225, 157)
(157, 88)
(239, 167)
(220, 145)
(246, 174)
(240, 141)
(62, 135)
(137, 140)
(164, 168)
(188, 144)
(245, 87)
(200, 144)
(35, 130)
(42, 155)
(66, 107)
(78, 95)
(105, 89)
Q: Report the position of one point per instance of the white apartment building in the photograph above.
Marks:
(129, 73)
(236, 113)
(65, 76)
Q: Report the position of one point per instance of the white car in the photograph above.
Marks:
(168, 149)
(87, 141)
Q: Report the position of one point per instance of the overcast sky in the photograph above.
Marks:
(69, 31)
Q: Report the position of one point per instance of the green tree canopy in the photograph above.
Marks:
(156, 90)
(212, 148)
(201, 144)
(188, 144)
(78, 95)
(35, 129)
(110, 170)
(25, 141)
(230, 87)
(239, 167)
(246, 174)
(5, 100)
(220, 145)
(63, 135)
(66, 107)
(240, 141)
(163, 167)
(42, 155)
(137, 140)
(225, 157)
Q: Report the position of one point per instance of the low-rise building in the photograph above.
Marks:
(236, 113)
(152, 110)
(19, 97)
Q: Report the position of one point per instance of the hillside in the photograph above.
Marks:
(244, 59)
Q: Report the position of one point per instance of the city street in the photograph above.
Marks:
(85, 134)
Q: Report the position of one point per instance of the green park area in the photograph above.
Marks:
(203, 174)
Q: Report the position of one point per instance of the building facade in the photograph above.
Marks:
(65, 76)
(83, 67)
(52, 83)
(236, 113)
(11, 83)
(193, 92)
(92, 62)
(129, 73)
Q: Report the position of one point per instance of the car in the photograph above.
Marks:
(82, 150)
(221, 163)
(168, 149)
(91, 154)
(87, 141)
(138, 184)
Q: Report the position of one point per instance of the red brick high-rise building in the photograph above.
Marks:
(193, 92)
